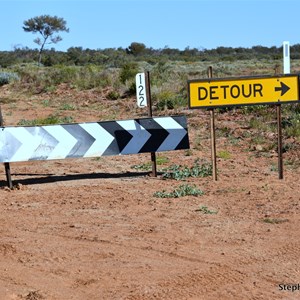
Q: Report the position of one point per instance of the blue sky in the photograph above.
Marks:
(100, 24)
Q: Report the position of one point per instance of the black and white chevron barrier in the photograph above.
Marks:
(93, 139)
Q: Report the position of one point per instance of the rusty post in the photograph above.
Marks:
(279, 134)
(213, 134)
(149, 104)
(279, 141)
(6, 165)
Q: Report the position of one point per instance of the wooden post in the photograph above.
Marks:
(213, 135)
(149, 104)
(6, 165)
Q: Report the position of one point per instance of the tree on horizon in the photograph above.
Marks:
(46, 26)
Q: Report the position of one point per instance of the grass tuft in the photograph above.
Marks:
(205, 210)
(181, 191)
(50, 120)
(179, 172)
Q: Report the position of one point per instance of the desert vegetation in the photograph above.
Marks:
(111, 74)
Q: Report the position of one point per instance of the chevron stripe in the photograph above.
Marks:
(46, 143)
(27, 144)
(65, 142)
(93, 139)
(176, 134)
(102, 139)
(118, 144)
(139, 136)
(9, 145)
(158, 135)
(83, 138)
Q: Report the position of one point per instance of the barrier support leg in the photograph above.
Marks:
(6, 165)
(8, 175)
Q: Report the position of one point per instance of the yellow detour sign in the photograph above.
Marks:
(210, 93)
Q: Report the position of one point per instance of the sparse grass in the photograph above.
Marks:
(291, 126)
(113, 95)
(142, 167)
(168, 99)
(224, 154)
(292, 163)
(35, 79)
(205, 210)
(233, 140)
(46, 103)
(181, 191)
(67, 106)
(179, 172)
(274, 220)
(257, 142)
(274, 167)
(160, 160)
(50, 120)
(198, 142)
(188, 152)
(223, 132)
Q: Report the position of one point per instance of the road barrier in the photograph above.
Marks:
(30, 143)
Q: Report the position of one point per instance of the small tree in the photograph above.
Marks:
(136, 48)
(46, 26)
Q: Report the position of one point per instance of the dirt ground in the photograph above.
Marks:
(92, 228)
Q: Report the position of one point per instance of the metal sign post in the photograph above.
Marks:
(279, 140)
(286, 70)
(149, 104)
(213, 135)
(6, 165)
(279, 136)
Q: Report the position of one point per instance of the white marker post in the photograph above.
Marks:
(286, 70)
(141, 93)
(286, 58)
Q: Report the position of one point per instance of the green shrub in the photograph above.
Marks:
(113, 95)
(169, 100)
(160, 160)
(6, 77)
(178, 172)
(128, 72)
(90, 77)
(181, 191)
(44, 79)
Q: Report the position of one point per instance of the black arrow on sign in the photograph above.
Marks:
(117, 145)
(158, 135)
(283, 88)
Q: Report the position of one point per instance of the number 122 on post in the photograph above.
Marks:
(141, 96)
